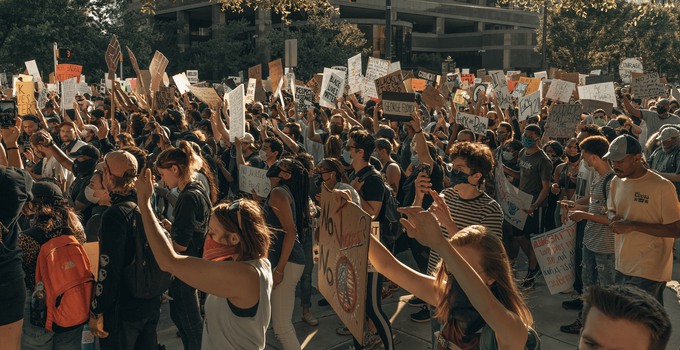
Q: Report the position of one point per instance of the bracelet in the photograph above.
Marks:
(279, 272)
(11, 148)
(419, 131)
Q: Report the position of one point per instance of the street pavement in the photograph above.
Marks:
(547, 311)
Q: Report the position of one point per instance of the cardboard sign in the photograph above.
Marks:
(375, 69)
(164, 97)
(398, 106)
(182, 83)
(429, 77)
(253, 179)
(68, 71)
(461, 97)
(333, 89)
(560, 90)
(250, 92)
(432, 98)
(417, 84)
(157, 68)
(500, 87)
(207, 95)
(343, 259)
(598, 92)
(32, 68)
(589, 106)
(26, 98)
(275, 72)
(512, 200)
(555, 254)
(529, 105)
(597, 79)
(354, 77)
(647, 86)
(68, 93)
(629, 66)
(237, 113)
(392, 82)
(475, 123)
(256, 73)
(140, 76)
(112, 54)
(562, 120)
(315, 84)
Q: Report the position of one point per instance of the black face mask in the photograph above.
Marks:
(459, 177)
(336, 129)
(573, 159)
(661, 109)
(84, 167)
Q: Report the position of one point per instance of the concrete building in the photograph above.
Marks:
(475, 33)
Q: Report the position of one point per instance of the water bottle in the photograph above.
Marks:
(87, 338)
(38, 306)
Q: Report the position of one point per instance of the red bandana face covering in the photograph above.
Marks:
(218, 252)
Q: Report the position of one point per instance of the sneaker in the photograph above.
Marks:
(530, 280)
(310, 319)
(342, 330)
(415, 302)
(371, 341)
(574, 328)
(322, 302)
(575, 304)
(421, 316)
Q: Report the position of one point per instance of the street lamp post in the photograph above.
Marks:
(545, 33)
(388, 29)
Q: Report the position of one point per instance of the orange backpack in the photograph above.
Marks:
(64, 270)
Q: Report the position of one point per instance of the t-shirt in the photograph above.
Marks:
(533, 169)
(649, 199)
(666, 162)
(373, 189)
(655, 122)
(192, 212)
(481, 210)
(598, 237)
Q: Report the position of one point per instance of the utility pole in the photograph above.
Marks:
(388, 30)
(545, 34)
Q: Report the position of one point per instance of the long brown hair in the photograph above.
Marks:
(245, 217)
(495, 264)
(184, 157)
(53, 217)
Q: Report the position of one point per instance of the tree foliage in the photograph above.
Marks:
(578, 7)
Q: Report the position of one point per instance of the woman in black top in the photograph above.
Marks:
(179, 168)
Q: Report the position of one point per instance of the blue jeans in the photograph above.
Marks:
(186, 314)
(305, 284)
(39, 338)
(597, 268)
(654, 288)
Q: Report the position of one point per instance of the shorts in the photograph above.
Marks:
(12, 300)
(532, 226)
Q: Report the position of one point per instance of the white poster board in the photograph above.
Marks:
(237, 113)
(68, 93)
(512, 200)
(477, 124)
(560, 90)
(376, 68)
(529, 105)
(500, 86)
(192, 76)
(253, 179)
(599, 92)
(250, 92)
(628, 67)
(32, 68)
(182, 82)
(354, 76)
(555, 254)
(332, 90)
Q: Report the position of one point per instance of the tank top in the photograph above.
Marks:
(297, 255)
(224, 330)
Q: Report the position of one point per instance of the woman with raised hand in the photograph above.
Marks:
(475, 295)
(236, 231)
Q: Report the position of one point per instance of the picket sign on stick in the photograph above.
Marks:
(112, 56)
(237, 113)
(555, 254)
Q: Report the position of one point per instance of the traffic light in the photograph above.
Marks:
(64, 53)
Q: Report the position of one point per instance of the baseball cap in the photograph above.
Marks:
(248, 138)
(47, 189)
(86, 150)
(621, 147)
(120, 163)
(667, 133)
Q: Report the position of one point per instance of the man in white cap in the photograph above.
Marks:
(645, 216)
(666, 159)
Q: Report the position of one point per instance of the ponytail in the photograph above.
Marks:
(184, 157)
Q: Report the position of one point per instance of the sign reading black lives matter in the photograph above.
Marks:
(398, 106)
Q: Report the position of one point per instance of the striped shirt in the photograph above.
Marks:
(482, 210)
(597, 237)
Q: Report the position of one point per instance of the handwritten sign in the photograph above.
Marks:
(555, 254)
(647, 86)
(315, 84)
(429, 77)
(562, 120)
(392, 82)
(511, 199)
(469, 78)
(629, 66)
(157, 68)
(343, 259)
(32, 68)
(598, 92)
(207, 95)
(67, 71)
(460, 98)
(332, 91)
(253, 179)
(237, 113)
(26, 97)
(250, 92)
(354, 77)
(529, 105)
(477, 124)
(533, 84)
(68, 93)
(255, 72)
(398, 106)
(560, 90)
(275, 72)
(500, 87)
(112, 54)
(375, 69)
(165, 96)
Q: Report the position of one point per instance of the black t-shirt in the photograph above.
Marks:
(192, 212)
(15, 191)
(373, 189)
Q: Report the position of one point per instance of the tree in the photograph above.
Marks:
(579, 7)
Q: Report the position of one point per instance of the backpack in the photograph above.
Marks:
(390, 227)
(143, 276)
(64, 270)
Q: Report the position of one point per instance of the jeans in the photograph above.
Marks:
(375, 312)
(654, 288)
(186, 314)
(305, 284)
(136, 333)
(39, 338)
(283, 302)
(597, 268)
(578, 259)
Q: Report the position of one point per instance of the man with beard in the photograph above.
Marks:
(67, 133)
(666, 159)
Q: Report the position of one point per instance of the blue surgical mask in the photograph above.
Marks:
(414, 159)
(528, 142)
(346, 156)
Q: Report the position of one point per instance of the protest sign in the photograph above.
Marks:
(555, 254)
(26, 98)
(481, 73)
(476, 92)
(192, 76)
(429, 77)
(67, 71)
(315, 84)
(68, 93)
(343, 259)
(432, 97)
(500, 86)
(398, 106)
(647, 86)
(519, 90)
(275, 72)
(112, 55)
(475, 123)
(570, 77)
(333, 90)
(392, 82)
(469, 78)
(255, 72)
(207, 95)
(541, 75)
(32, 68)
(598, 92)
(304, 97)
(82, 88)
(375, 69)
(597, 79)
(165, 96)
(512, 200)
(157, 68)
(529, 105)
(141, 87)
(354, 77)
(560, 90)
(590, 106)
(250, 92)
(533, 84)
(629, 66)
(237, 113)
(182, 83)
(418, 84)
(253, 179)
(43, 97)
(460, 97)
(562, 120)
(394, 67)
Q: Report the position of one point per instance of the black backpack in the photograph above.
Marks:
(143, 276)
(390, 227)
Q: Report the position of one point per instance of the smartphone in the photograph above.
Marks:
(8, 111)
(424, 168)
